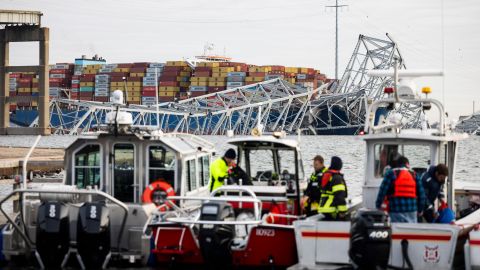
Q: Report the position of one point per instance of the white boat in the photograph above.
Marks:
(369, 239)
(114, 181)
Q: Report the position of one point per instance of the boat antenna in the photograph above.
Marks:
(336, 6)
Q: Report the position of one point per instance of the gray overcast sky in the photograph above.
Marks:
(263, 32)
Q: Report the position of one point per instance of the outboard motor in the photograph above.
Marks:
(215, 240)
(370, 239)
(93, 234)
(53, 233)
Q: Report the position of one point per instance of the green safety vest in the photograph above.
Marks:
(334, 187)
(218, 173)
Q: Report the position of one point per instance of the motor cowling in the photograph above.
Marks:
(53, 233)
(93, 234)
(215, 240)
(370, 239)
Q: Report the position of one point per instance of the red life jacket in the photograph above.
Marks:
(405, 185)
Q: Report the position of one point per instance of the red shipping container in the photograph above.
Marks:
(170, 73)
(12, 93)
(86, 94)
(102, 99)
(29, 76)
(13, 107)
(169, 83)
(137, 70)
(166, 98)
(203, 73)
(34, 85)
(125, 65)
(75, 85)
(197, 69)
(215, 89)
(167, 78)
(134, 79)
(116, 79)
(56, 84)
(85, 98)
(257, 74)
(173, 68)
(198, 93)
(141, 64)
(119, 74)
(87, 78)
(15, 75)
(59, 71)
(24, 80)
(149, 88)
(149, 93)
(24, 85)
(56, 80)
(24, 94)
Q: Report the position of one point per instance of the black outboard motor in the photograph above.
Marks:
(370, 239)
(53, 233)
(93, 234)
(215, 240)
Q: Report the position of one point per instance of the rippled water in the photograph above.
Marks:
(350, 148)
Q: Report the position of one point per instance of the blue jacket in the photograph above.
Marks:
(433, 189)
(400, 204)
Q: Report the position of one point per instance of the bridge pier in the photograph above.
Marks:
(24, 26)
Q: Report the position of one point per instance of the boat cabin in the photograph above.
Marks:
(126, 164)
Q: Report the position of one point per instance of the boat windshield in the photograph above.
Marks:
(266, 165)
(386, 155)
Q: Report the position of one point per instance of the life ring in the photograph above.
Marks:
(160, 184)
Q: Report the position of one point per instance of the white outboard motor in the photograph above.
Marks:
(370, 239)
(93, 234)
(53, 233)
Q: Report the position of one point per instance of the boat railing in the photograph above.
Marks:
(370, 126)
(23, 191)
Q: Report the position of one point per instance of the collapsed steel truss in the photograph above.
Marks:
(276, 104)
(470, 124)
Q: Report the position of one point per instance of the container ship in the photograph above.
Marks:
(93, 79)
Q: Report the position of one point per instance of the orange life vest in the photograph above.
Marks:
(405, 185)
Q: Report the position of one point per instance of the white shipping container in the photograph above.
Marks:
(149, 79)
(152, 70)
(102, 85)
(237, 84)
(77, 73)
(157, 65)
(12, 80)
(112, 66)
(301, 76)
(61, 66)
(105, 70)
(102, 76)
(58, 76)
(149, 83)
(198, 88)
(103, 90)
(13, 84)
(148, 99)
(101, 94)
(151, 75)
(75, 81)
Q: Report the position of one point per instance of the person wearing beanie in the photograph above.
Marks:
(333, 201)
(219, 169)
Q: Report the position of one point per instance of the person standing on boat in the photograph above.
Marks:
(333, 198)
(404, 191)
(433, 181)
(312, 193)
(219, 169)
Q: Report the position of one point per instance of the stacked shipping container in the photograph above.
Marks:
(141, 82)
